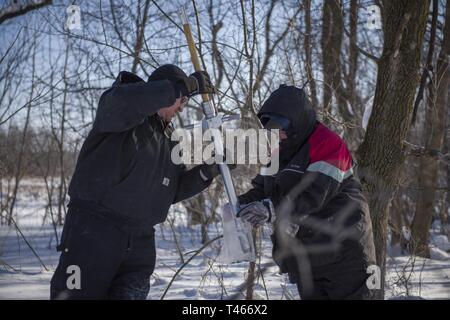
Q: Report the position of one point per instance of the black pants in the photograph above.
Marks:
(113, 263)
(335, 285)
(342, 277)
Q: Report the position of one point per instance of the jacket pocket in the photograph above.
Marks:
(65, 235)
(75, 222)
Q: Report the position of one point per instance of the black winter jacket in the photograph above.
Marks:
(317, 199)
(124, 170)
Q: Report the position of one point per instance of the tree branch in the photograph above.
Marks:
(17, 9)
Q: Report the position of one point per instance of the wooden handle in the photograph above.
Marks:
(193, 51)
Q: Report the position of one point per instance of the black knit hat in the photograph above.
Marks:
(168, 72)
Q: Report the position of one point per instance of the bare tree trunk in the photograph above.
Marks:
(140, 33)
(270, 44)
(60, 141)
(18, 175)
(435, 132)
(353, 53)
(428, 70)
(332, 33)
(250, 283)
(216, 54)
(349, 98)
(249, 54)
(196, 209)
(381, 154)
(308, 54)
(445, 213)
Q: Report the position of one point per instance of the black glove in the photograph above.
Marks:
(257, 213)
(210, 171)
(197, 83)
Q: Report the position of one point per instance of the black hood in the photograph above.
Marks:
(292, 102)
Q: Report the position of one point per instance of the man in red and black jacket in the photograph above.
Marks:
(323, 233)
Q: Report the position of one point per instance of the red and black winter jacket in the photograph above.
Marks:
(317, 193)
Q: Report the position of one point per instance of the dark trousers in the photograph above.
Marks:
(335, 282)
(113, 263)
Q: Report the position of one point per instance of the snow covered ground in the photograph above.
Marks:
(22, 276)
(414, 277)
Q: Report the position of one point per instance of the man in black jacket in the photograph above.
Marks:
(124, 184)
(323, 233)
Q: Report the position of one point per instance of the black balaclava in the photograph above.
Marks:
(168, 71)
(292, 103)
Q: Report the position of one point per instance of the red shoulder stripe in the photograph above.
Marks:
(329, 154)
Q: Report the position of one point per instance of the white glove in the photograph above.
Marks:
(257, 213)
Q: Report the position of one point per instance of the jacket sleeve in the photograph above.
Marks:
(256, 193)
(190, 184)
(124, 106)
(311, 194)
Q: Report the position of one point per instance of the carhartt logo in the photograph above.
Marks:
(166, 182)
